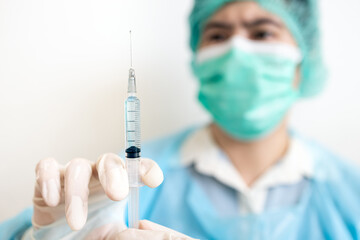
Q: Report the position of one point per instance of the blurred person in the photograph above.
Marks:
(243, 176)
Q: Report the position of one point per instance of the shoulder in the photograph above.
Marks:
(328, 163)
(335, 179)
(335, 186)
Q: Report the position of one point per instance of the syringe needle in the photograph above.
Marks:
(130, 49)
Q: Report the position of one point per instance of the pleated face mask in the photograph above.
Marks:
(247, 86)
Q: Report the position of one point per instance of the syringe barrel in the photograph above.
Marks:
(132, 127)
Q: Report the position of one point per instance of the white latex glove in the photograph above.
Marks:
(65, 192)
(148, 230)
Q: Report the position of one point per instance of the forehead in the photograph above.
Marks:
(241, 11)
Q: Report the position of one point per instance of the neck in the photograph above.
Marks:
(252, 159)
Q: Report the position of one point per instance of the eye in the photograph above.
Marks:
(217, 37)
(263, 35)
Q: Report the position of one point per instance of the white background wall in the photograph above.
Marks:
(63, 72)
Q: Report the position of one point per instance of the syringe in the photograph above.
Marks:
(133, 146)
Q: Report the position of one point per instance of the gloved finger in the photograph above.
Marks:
(113, 176)
(150, 172)
(77, 177)
(147, 225)
(48, 181)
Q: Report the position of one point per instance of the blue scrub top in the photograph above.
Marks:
(329, 207)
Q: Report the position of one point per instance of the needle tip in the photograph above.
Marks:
(130, 49)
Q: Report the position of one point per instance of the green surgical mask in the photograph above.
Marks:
(247, 86)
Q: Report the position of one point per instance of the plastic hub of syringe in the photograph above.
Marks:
(132, 83)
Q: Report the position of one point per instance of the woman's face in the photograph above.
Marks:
(246, 19)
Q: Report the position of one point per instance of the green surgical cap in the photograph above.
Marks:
(301, 18)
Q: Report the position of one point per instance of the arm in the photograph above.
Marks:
(15, 227)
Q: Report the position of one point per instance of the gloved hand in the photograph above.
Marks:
(67, 192)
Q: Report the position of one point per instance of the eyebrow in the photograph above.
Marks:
(262, 21)
(257, 22)
(217, 24)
